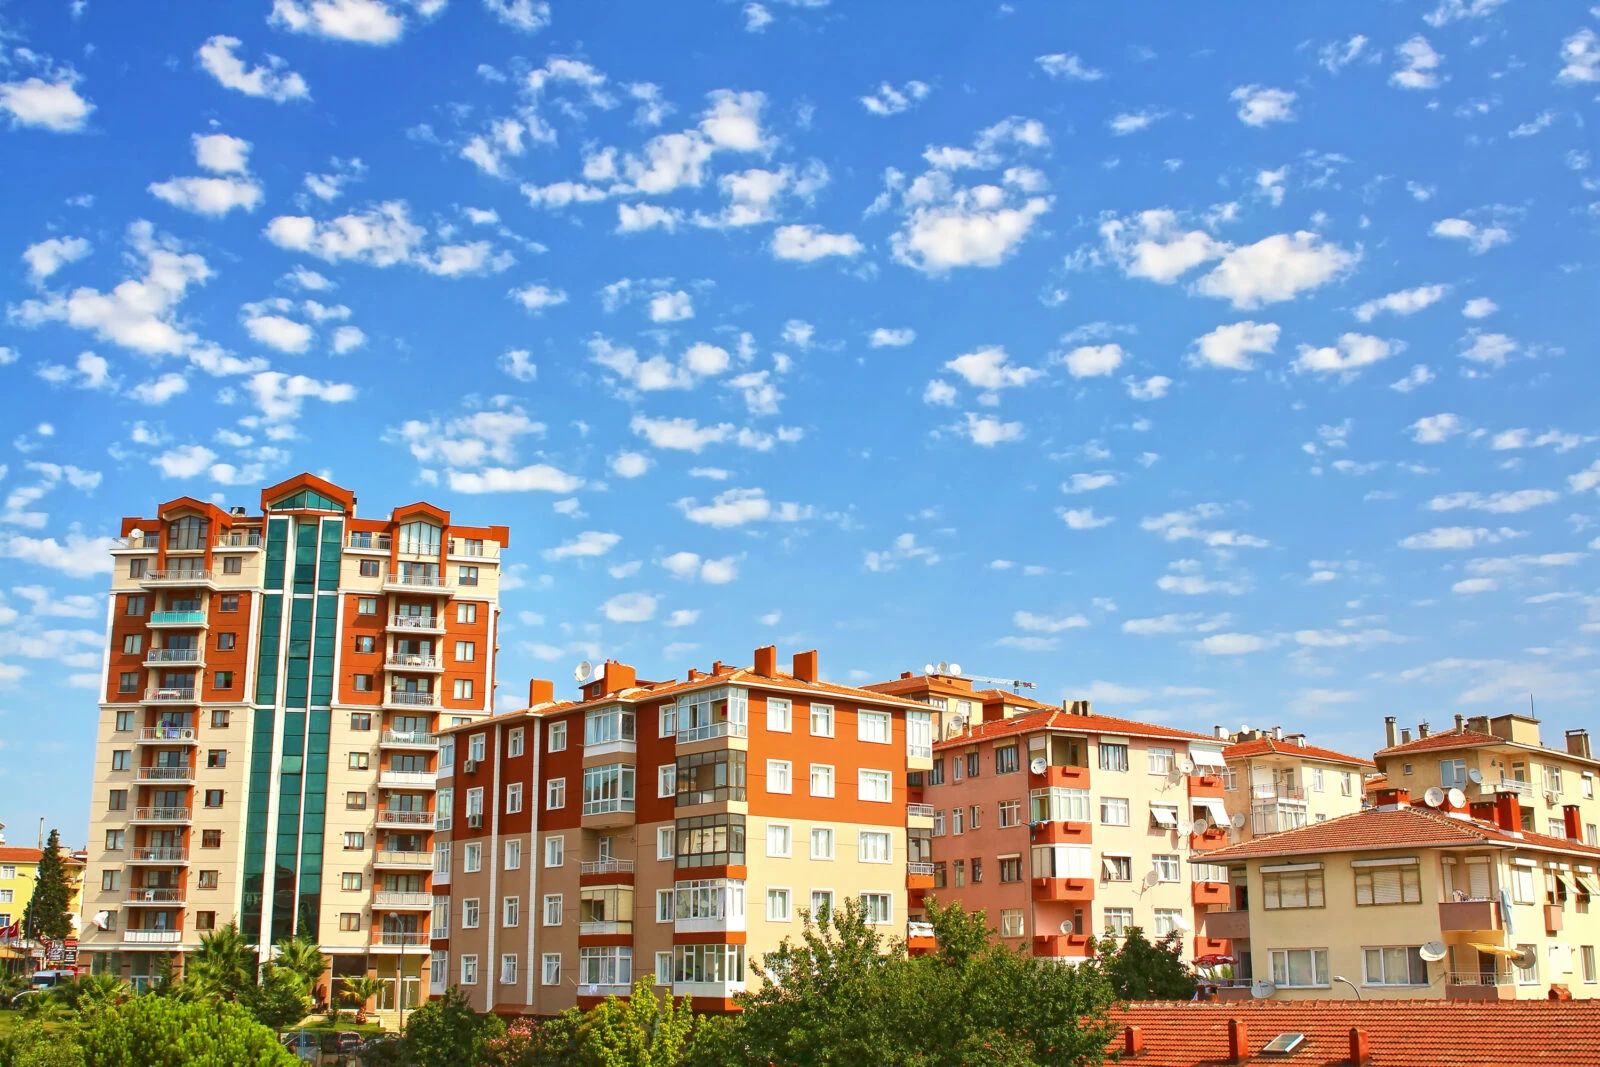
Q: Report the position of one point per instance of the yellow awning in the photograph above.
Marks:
(1495, 950)
(1588, 883)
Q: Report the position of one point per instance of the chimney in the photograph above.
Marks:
(1423, 729)
(694, 674)
(1578, 744)
(1360, 1048)
(1388, 732)
(1405, 735)
(619, 676)
(1482, 810)
(1461, 723)
(1083, 707)
(805, 665)
(1277, 733)
(1132, 1041)
(1220, 733)
(1299, 740)
(1238, 1042)
(716, 667)
(767, 661)
(1572, 822)
(907, 674)
(540, 691)
(1392, 798)
(1508, 812)
(1478, 724)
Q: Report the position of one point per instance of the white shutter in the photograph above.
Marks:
(1385, 886)
(1478, 880)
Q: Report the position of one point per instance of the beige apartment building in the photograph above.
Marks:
(676, 828)
(1280, 781)
(274, 685)
(1484, 756)
(1404, 900)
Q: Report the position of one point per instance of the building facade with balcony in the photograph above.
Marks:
(1404, 901)
(1482, 756)
(1280, 781)
(1066, 825)
(273, 687)
(676, 828)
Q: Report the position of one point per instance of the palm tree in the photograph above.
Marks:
(91, 992)
(302, 956)
(224, 965)
(359, 991)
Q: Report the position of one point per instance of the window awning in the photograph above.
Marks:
(1495, 950)
(1215, 809)
(1108, 866)
(1565, 878)
(1589, 884)
(1164, 816)
(1207, 757)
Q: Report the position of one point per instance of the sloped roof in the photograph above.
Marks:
(1056, 719)
(1445, 740)
(1392, 828)
(10, 854)
(1266, 746)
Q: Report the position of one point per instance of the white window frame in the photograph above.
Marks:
(874, 786)
(556, 741)
(1283, 954)
(821, 715)
(874, 837)
(1168, 867)
(667, 780)
(469, 968)
(666, 905)
(874, 727)
(513, 797)
(1159, 760)
(827, 837)
(780, 776)
(550, 968)
(788, 840)
(508, 968)
(826, 772)
(1383, 978)
(783, 896)
(870, 902)
(471, 913)
(780, 715)
(472, 857)
(666, 841)
(555, 794)
(511, 912)
(555, 850)
(512, 859)
(1126, 810)
(550, 910)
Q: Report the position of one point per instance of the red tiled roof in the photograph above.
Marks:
(1402, 1033)
(20, 855)
(1266, 746)
(1055, 718)
(748, 677)
(924, 683)
(1448, 739)
(1377, 828)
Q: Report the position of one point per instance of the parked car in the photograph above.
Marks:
(303, 1044)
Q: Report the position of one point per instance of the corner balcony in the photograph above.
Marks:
(414, 941)
(164, 774)
(1213, 894)
(605, 872)
(1059, 777)
(388, 779)
(1488, 984)
(416, 624)
(179, 578)
(1521, 789)
(159, 897)
(405, 661)
(160, 619)
(408, 739)
(160, 815)
(159, 856)
(406, 861)
(398, 817)
(1062, 946)
(167, 735)
(434, 584)
(919, 875)
(406, 699)
(1063, 890)
(240, 539)
(1470, 916)
(166, 657)
(602, 815)
(170, 696)
(394, 901)
(152, 937)
(919, 816)
(142, 543)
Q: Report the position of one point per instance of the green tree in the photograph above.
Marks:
(360, 991)
(92, 992)
(164, 1032)
(448, 1033)
(50, 907)
(36, 1045)
(641, 1032)
(279, 1000)
(1143, 970)
(549, 1042)
(224, 965)
(303, 956)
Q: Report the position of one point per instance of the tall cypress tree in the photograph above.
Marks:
(50, 910)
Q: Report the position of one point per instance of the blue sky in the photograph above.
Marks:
(1221, 365)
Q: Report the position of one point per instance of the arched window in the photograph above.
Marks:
(421, 538)
(188, 532)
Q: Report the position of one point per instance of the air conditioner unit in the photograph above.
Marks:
(474, 822)
(470, 766)
(1550, 798)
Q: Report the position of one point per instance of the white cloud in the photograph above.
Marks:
(348, 339)
(1434, 429)
(1035, 623)
(1083, 518)
(526, 16)
(1127, 122)
(1479, 239)
(891, 101)
(1586, 479)
(756, 17)
(904, 549)
(1186, 525)
(1230, 347)
(1521, 438)
(630, 464)
(941, 394)
(77, 556)
(671, 307)
(275, 331)
(1419, 376)
(54, 105)
(683, 617)
(1503, 502)
(1068, 67)
(89, 371)
(1403, 302)
(1352, 352)
(885, 337)
(1186, 582)
(1580, 59)
(222, 154)
(1451, 10)
(690, 565)
(1455, 537)
(1277, 268)
(1232, 644)
(1340, 54)
(808, 243)
(988, 431)
(630, 607)
(736, 507)
(1194, 622)
(1479, 307)
(586, 545)
(1153, 388)
(636, 218)
(159, 390)
(990, 368)
(1490, 348)
(536, 298)
(1154, 245)
(366, 21)
(679, 434)
(209, 196)
(271, 80)
(1469, 586)
(279, 395)
(184, 462)
(1419, 65)
(537, 478)
(50, 255)
(1259, 105)
(1088, 483)
(1093, 361)
(382, 236)
(1537, 124)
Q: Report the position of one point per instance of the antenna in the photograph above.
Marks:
(1526, 960)
(1066, 926)
(1174, 776)
(1201, 824)
(1433, 951)
(1457, 798)
(1261, 989)
(1037, 765)
(583, 672)
(1185, 828)
(1434, 797)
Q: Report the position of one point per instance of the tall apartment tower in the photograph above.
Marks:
(274, 684)
(672, 828)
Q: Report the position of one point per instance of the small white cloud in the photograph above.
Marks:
(1259, 105)
(1470, 586)
(1479, 239)
(1419, 376)
(629, 464)
(588, 544)
(1047, 624)
(1501, 503)
(1403, 302)
(1068, 67)
(1580, 59)
(1152, 388)
(1083, 518)
(1419, 65)
(1479, 307)
(1093, 361)
(888, 100)
(671, 307)
(884, 337)
(1435, 429)
(50, 255)
(630, 607)
(1232, 644)
(1277, 268)
(1491, 348)
(1230, 347)
(988, 431)
(1352, 352)
(518, 363)
(807, 244)
(683, 617)
(363, 21)
(536, 298)
(941, 394)
(53, 105)
(756, 17)
(1127, 122)
(1088, 483)
(525, 16)
(272, 80)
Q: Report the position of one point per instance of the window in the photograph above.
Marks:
(1010, 869)
(355, 841)
(1552, 780)
(1590, 975)
(1166, 867)
(821, 719)
(469, 969)
(607, 725)
(1160, 760)
(668, 721)
(821, 842)
(355, 800)
(877, 786)
(975, 812)
(369, 568)
(350, 881)
(217, 757)
(365, 644)
(232, 564)
(511, 911)
(1591, 834)
(463, 689)
(958, 821)
(666, 908)
(124, 721)
(230, 603)
(359, 761)
(1452, 774)
(919, 734)
(209, 879)
(136, 569)
(128, 682)
(972, 765)
(1291, 889)
(874, 847)
(508, 969)
(780, 839)
(663, 973)
(664, 842)
(1347, 786)
(1394, 966)
(1587, 783)
(1117, 921)
(1114, 811)
(205, 920)
(1522, 885)
(513, 798)
(466, 613)
(1208, 872)
(555, 794)
(1529, 975)
(821, 780)
(1388, 885)
(366, 605)
(821, 903)
(1117, 868)
(213, 798)
(1010, 813)
(875, 727)
(514, 743)
(778, 906)
(780, 715)
(667, 780)
(110, 880)
(558, 737)
(709, 841)
(1059, 805)
(550, 968)
(936, 772)
(955, 769)
(1168, 921)
(467, 575)
(472, 857)
(213, 839)
(877, 909)
(122, 759)
(471, 912)
(608, 788)
(1006, 759)
(1316, 780)
(363, 684)
(133, 644)
(117, 800)
(225, 642)
(938, 824)
(779, 776)
(1300, 967)
(1555, 828)
(513, 855)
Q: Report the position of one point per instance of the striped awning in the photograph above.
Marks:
(1495, 950)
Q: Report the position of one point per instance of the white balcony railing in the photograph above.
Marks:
(393, 779)
(919, 867)
(419, 581)
(240, 539)
(919, 811)
(393, 817)
(409, 737)
(155, 896)
(606, 867)
(369, 541)
(587, 929)
(174, 734)
(164, 774)
(413, 939)
(411, 698)
(151, 937)
(407, 662)
(712, 729)
(144, 542)
(416, 622)
(177, 576)
(173, 655)
(169, 696)
(160, 814)
(392, 899)
(1507, 785)
(161, 854)
(387, 858)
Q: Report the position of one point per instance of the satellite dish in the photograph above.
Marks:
(1239, 820)
(1475, 776)
(1457, 798)
(1186, 765)
(1037, 765)
(944, 667)
(927, 668)
(1526, 960)
(955, 668)
(1434, 797)
(1151, 880)
(1261, 989)
(1185, 828)
(1201, 824)
(1066, 926)
(1174, 776)
(583, 671)
(957, 721)
(1433, 951)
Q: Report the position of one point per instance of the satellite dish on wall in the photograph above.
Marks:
(1185, 828)
(1526, 960)
(1037, 765)
(944, 667)
(1186, 765)
(1475, 776)
(1457, 798)
(1261, 989)
(1174, 776)
(1151, 880)
(1433, 951)
(583, 671)
(1066, 926)
(955, 669)
(1238, 820)
(1434, 797)
(1201, 824)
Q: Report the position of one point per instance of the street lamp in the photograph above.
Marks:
(1353, 988)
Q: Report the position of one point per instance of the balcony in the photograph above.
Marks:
(606, 928)
(160, 855)
(1227, 925)
(1059, 777)
(1269, 794)
(1063, 833)
(919, 875)
(416, 624)
(404, 661)
(403, 699)
(472, 548)
(160, 657)
(166, 735)
(142, 543)
(178, 578)
(1209, 893)
(169, 696)
(408, 941)
(605, 872)
(160, 815)
(368, 542)
(919, 811)
(396, 901)
(240, 539)
(404, 860)
(388, 779)
(435, 584)
(177, 618)
(151, 937)
(1061, 946)
(164, 774)
(1063, 890)
(1469, 915)
(706, 732)
(1488, 984)
(161, 896)
(919, 939)
(408, 739)
(397, 817)
(1522, 789)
